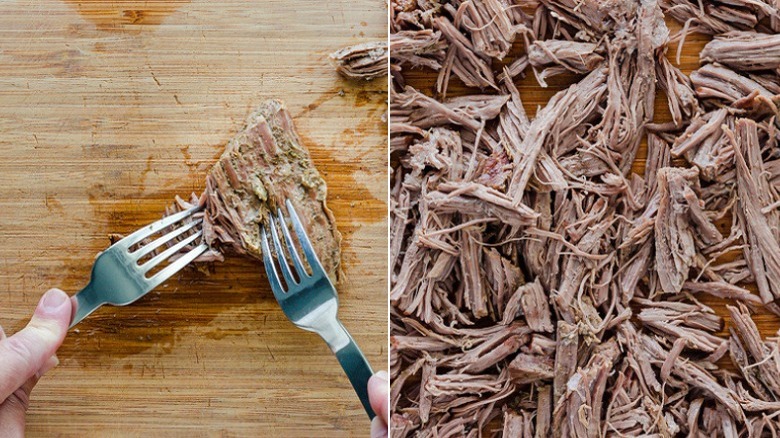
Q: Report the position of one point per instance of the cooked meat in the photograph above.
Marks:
(362, 61)
(418, 48)
(560, 56)
(545, 271)
(744, 51)
(679, 225)
(263, 166)
(713, 81)
(714, 17)
(679, 91)
(762, 251)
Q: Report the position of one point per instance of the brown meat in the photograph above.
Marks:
(744, 51)
(261, 167)
(557, 56)
(680, 223)
(418, 48)
(363, 61)
(763, 251)
(713, 81)
(616, 245)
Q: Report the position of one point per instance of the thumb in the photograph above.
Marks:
(25, 353)
(378, 394)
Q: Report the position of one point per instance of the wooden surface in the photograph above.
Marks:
(534, 97)
(108, 110)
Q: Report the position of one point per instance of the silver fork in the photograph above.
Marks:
(311, 302)
(118, 278)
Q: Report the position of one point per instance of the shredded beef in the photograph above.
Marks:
(546, 272)
(364, 61)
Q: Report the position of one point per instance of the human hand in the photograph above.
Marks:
(379, 397)
(27, 355)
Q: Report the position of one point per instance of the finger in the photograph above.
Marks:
(379, 395)
(378, 428)
(13, 410)
(26, 352)
(2, 333)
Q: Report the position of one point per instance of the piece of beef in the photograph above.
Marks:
(568, 109)
(710, 17)
(558, 56)
(744, 51)
(679, 91)
(679, 219)
(364, 61)
(713, 81)
(763, 251)
(764, 358)
(418, 48)
(491, 25)
(264, 165)
(462, 59)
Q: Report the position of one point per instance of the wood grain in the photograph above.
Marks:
(535, 97)
(107, 111)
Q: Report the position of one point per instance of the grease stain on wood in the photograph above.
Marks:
(119, 16)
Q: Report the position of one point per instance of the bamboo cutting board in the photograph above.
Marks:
(110, 109)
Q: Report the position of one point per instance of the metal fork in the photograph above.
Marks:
(118, 278)
(311, 302)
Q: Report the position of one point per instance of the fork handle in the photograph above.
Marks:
(87, 302)
(357, 369)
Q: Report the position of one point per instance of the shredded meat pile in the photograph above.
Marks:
(263, 166)
(545, 275)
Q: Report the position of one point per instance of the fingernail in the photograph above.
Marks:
(49, 365)
(2, 333)
(382, 375)
(53, 300)
(378, 428)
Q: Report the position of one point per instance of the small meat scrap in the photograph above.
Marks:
(263, 166)
(362, 61)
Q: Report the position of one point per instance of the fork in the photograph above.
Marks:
(310, 301)
(120, 276)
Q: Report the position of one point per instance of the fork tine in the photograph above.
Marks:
(163, 223)
(176, 266)
(285, 268)
(296, 259)
(270, 269)
(154, 261)
(308, 249)
(146, 249)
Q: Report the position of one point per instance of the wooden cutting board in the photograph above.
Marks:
(110, 109)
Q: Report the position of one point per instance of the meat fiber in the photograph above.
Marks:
(546, 268)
